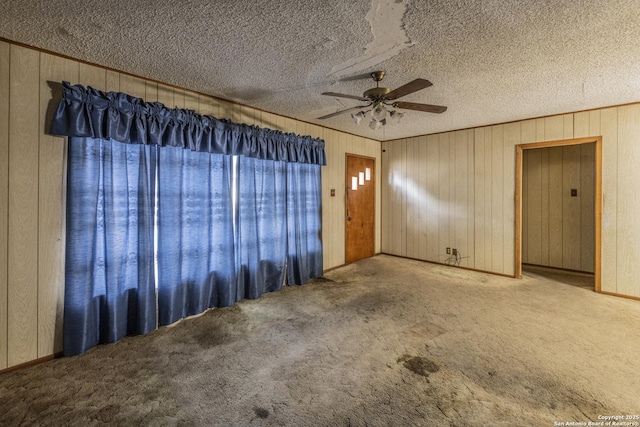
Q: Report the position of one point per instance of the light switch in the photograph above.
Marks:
(574, 192)
(333, 192)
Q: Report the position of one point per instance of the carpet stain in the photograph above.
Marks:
(261, 412)
(418, 365)
(212, 338)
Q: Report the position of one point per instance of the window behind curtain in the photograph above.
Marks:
(110, 283)
(196, 254)
(262, 225)
(304, 222)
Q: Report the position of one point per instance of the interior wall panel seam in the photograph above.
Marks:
(617, 268)
(8, 154)
(40, 126)
(8, 198)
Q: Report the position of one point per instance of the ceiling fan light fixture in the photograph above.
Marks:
(381, 102)
(396, 116)
(379, 113)
(374, 124)
(357, 117)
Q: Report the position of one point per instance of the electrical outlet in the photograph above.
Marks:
(455, 251)
(448, 251)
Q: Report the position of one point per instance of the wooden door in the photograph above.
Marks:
(360, 208)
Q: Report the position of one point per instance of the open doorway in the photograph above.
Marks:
(559, 209)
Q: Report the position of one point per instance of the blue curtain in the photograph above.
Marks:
(110, 286)
(304, 223)
(196, 256)
(208, 254)
(262, 226)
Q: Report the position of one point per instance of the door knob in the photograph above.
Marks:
(348, 218)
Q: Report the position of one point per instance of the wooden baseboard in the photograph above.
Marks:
(451, 265)
(30, 363)
(613, 294)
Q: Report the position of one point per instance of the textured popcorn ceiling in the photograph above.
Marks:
(490, 61)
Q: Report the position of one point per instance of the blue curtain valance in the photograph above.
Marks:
(88, 112)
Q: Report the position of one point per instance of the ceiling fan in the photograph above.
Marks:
(378, 98)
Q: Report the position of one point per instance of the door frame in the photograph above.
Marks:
(346, 194)
(597, 268)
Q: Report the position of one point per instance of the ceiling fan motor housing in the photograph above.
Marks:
(377, 93)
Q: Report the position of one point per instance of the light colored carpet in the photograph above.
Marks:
(382, 342)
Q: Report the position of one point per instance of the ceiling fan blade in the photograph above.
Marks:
(363, 76)
(342, 95)
(420, 107)
(337, 113)
(413, 86)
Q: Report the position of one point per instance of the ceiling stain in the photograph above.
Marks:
(389, 38)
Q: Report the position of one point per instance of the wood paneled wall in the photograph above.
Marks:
(558, 229)
(428, 196)
(32, 187)
(426, 193)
